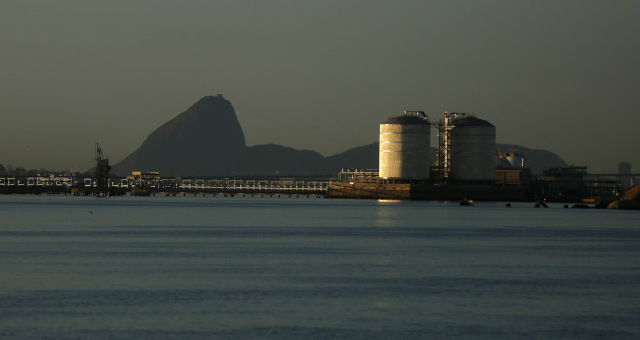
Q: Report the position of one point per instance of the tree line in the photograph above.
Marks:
(20, 171)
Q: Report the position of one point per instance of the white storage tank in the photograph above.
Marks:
(472, 150)
(405, 147)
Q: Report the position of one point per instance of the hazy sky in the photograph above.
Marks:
(319, 75)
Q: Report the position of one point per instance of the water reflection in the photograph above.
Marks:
(387, 212)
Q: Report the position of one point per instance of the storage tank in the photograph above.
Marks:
(516, 159)
(472, 145)
(405, 147)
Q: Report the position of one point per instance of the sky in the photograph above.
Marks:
(318, 75)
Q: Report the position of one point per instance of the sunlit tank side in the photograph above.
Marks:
(472, 150)
(405, 147)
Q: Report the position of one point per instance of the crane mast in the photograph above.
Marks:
(102, 172)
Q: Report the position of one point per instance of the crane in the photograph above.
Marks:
(102, 172)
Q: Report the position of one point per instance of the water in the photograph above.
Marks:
(309, 268)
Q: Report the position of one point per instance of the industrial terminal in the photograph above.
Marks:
(467, 167)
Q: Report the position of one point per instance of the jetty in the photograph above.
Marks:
(254, 187)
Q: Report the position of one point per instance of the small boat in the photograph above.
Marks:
(542, 203)
(465, 201)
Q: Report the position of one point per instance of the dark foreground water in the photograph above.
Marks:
(269, 268)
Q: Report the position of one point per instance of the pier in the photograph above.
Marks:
(253, 187)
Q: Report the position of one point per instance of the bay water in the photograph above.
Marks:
(314, 268)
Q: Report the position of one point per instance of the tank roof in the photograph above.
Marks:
(406, 120)
(471, 121)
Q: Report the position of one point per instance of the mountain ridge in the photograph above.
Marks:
(207, 140)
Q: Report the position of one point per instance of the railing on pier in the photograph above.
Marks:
(177, 184)
(242, 185)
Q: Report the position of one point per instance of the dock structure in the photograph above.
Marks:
(242, 194)
(272, 187)
(227, 186)
(348, 184)
(426, 191)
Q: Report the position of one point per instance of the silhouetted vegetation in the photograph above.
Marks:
(20, 171)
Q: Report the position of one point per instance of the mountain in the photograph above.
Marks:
(272, 159)
(192, 143)
(362, 157)
(207, 140)
(366, 157)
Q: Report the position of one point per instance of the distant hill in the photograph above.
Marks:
(366, 157)
(362, 157)
(193, 143)
(272, 159)
(538, 159)
(207, 140)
